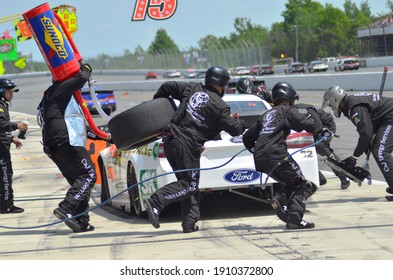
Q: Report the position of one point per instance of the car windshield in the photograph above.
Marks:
(249, 111)
(247, 108)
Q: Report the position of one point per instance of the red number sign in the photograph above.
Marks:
(156, 9)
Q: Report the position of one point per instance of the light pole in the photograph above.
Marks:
(297, 41)
(384, 39)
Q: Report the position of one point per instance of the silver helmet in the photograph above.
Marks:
(332, 98)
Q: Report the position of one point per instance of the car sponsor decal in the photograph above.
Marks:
(143, 150)
(356, 119)
(156, 150)
(237, 139)
(149, 185)
(241, 176)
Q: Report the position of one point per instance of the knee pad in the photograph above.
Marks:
(306, 188)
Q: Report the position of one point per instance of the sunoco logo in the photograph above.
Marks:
(241, 176)
(54, 38)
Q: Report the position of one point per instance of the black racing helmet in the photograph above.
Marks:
(284, 91)
(217, 75)
(244, 85)
(7, 84)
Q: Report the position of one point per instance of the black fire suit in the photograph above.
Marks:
(267, 140)
(6, 171)
(373, 116)
(64, 137)
(326, 120)
(201, 116)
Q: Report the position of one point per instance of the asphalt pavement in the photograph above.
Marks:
(352, 224)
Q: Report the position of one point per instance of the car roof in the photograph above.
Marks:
(244, 97)
(297, 63)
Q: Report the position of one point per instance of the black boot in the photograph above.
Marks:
(322, 179)
(300, 225)
(279, 204)
(345, 182)
(153, 212)
(84, 224)
(11, 210)
(66, 217)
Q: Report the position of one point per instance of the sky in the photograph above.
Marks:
(105, 26)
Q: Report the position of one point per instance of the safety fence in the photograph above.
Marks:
(242, 54)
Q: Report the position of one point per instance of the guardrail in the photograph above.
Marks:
(349, 80)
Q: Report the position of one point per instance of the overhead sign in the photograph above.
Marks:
(22, 31)
(8, 49)
(68, 16)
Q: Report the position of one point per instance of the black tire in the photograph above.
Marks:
(141, 124)
(108, 111)
(105, 194)
(135, 200)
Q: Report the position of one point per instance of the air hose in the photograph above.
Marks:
(154, 177)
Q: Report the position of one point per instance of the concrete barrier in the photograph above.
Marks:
(349, 80)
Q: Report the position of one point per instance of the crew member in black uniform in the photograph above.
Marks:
(323, 148)
(266, 139)
(200, 117)
(245, 85)
(7, 89)
(373, 117)
(64, 137)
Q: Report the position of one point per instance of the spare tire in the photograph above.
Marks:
(141, 124)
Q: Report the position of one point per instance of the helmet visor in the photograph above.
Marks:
(13, 89)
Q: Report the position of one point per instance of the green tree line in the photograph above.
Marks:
(308, 30)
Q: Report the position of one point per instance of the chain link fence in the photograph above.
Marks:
(244, 54)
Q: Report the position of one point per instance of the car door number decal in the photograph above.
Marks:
(307, 153)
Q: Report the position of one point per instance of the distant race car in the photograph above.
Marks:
(106, 98)
(145, 168)
(317, 66)
(172, 74)
(295, 67)
(151, 75)
(347, 64)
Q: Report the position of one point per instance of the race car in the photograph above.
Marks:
(106, 99)
(128, 176)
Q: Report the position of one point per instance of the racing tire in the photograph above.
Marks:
(141, 124)
(135, 199)
(105, 194)
(108, 111)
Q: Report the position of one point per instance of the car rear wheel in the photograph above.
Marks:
(135, 198)
(141, 124)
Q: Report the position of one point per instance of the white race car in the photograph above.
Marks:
(130, 176)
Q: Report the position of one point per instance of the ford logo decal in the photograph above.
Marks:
(237, 139)
(241, 176)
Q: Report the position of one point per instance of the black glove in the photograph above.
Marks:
(243, 124)
(328, 134)
(86, 67)
(350, 162)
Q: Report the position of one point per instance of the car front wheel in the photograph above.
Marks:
(105, 194)
(135, 198)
